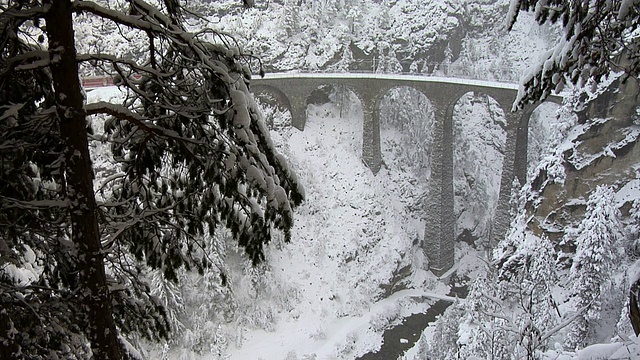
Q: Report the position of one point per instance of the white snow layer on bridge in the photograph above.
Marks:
(398, 77)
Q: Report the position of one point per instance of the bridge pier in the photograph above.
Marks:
(298, 100)
(522, 143)
(439, 232)
(514, 167)
(371, 152)
(298, 115)
(502, 218)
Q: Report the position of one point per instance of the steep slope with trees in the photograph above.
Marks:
(582, 196)
(190, 155)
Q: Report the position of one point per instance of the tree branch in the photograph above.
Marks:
(122, 113)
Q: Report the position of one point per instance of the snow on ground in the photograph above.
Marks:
(351, 234)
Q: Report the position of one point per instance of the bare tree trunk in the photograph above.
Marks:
(92, 292)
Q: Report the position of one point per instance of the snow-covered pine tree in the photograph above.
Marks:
(633, 229)
(28, 196)
(514, 316)
(191, 152)
(598, 37)
(598, 253)
(486, 331)
(443, 344)
(527, 280)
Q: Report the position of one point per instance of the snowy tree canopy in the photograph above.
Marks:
(189, 155)
(598, 239)
(598, 37)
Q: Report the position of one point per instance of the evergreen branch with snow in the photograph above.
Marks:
(189, 156)
(598, 38)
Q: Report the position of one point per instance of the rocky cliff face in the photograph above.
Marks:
(602, 149)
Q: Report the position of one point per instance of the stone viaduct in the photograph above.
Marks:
(292, 90)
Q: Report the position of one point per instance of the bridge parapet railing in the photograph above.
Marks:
(429, 69)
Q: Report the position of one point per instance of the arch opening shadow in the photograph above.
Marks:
(479, 144)
(407, 140)
(275, 106)
(338, 110)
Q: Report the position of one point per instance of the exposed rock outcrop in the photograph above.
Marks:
(605, 152)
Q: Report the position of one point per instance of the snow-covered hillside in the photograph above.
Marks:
(444, 37)
(351, 235)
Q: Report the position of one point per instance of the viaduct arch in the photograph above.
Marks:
(292, 91)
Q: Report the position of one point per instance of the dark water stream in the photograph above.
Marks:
(402, 337)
